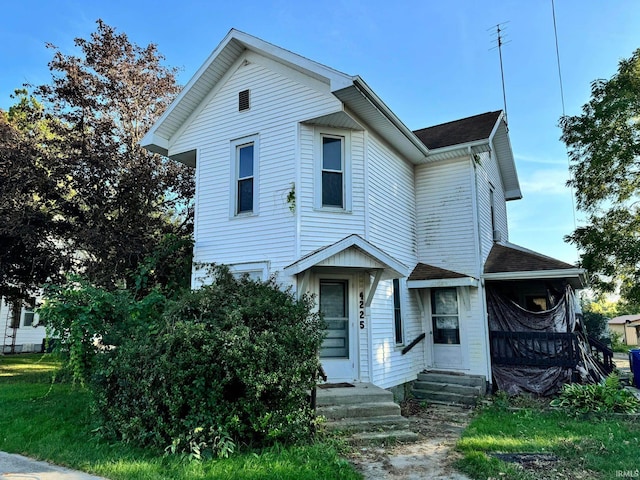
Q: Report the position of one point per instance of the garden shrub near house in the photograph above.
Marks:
(608, 396)
(231, 364)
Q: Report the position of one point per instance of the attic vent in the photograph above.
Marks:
(243, 100)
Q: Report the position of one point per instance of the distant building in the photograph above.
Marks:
(628, 326)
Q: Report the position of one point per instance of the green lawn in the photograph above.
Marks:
(586, 447)
(53, 423)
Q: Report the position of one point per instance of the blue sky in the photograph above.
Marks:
(430, 61)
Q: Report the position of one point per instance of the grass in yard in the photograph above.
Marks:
(586, 447)
(52, 422)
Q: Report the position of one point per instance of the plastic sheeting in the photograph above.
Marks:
(507, 316)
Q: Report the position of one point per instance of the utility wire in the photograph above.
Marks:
(555, 31)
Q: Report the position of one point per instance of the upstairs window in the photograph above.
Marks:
(332, 171)
(245, 175)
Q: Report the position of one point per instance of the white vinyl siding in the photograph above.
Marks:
(320, 227)
(28, 337)
(278, 103)
(488, 175)
(391, 216)
(446, 228)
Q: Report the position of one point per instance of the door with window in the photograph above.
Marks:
(445, 328)
(338, 352)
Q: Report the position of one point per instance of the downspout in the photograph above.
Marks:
(482, 288)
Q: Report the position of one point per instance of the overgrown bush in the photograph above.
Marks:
(85, 320)
(232, 364)
(607, 396)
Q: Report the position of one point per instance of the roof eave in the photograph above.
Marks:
(578, 274)
(458, 150)
(227, 52)
(444, 282)
(505, 159)
(381, 119)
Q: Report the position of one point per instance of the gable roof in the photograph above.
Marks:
(507, 261)
(465, 130)
(374, 258)
(351, 90)
(358, 102)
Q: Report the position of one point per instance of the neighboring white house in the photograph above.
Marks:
(302, 172)
(19, 327)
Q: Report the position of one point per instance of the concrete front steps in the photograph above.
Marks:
(365, 412)
(449, 388)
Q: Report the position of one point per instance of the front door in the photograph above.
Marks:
(445, 328)
(337, 353)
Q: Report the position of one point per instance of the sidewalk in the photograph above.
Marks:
(17, 467)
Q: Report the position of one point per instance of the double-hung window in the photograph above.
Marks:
(245, 174)
(332, 171)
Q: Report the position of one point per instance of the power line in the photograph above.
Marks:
(555, 31)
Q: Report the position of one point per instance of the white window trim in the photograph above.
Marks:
(201, 278)
(233, 157)
(347, 184)
(238, 269)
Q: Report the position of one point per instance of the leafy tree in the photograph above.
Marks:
(604, 149)
(124, 199)
(32, 202)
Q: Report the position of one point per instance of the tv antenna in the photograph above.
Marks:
(500, 42)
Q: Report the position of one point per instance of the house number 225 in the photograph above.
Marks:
(361, 310)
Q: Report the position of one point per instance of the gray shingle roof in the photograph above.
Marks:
(470, 129)
(507, 259)
(429, 272)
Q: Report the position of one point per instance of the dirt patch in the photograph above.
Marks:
(431, 457)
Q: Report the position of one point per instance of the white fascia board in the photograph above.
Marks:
(375, 101)
(148, 140)
(494, 130)
(513, 195)
(477, 146)
(155, 143)
(444, 282)
(516, 193)
(335, 78)
(350, 241)
(579, 273)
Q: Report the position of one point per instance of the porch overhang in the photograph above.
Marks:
(430, 276)
(352, 252)
(509, 262)
(576, 277)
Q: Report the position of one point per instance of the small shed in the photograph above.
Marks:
(628, 326)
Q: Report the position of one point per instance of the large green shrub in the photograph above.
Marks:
(233, 364)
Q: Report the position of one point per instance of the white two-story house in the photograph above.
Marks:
(303, 173)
